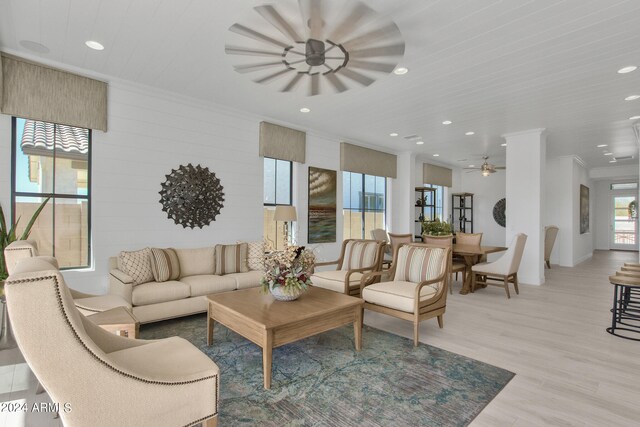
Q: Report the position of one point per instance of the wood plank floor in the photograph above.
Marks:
(569, 371)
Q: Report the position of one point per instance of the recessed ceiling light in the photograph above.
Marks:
(608, 154)
(393, 134)
(94, 45)
(447, 122)
(503, 145)
(419, 142)
(632, 97)
(634, 118)
(34, 46)
(436, 155)
(305, 110)
(612, 161)
(625, 70)
(601, 145)
(472, 166)
(470, 133)
(400, 71)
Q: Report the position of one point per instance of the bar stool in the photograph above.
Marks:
(626, 304)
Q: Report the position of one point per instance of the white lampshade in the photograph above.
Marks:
(285, 213)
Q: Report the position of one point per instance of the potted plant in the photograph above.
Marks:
(436, 228)
(287, 273)
(8, 236)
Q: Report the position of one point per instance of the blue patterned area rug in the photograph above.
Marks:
(323, 381)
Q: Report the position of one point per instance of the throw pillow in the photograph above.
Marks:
(255, 256)
(165, 264)
(137, 264)
(231, 259)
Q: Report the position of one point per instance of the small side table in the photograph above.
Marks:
(118, 320)
(626, 306)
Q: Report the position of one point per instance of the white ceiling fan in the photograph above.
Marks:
(486, 168)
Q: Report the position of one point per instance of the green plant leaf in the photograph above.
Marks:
(27, 230)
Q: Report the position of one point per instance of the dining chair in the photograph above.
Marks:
(380, 234)
(472, 239)
(396, 239)
(550, 234)
(454, 267)
(417, 288)
(502, 271)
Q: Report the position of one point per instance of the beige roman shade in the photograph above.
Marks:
(282, 143)
(34, 91)
(354, 158)
(436, 175)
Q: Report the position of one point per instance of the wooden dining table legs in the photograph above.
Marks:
(469, 261)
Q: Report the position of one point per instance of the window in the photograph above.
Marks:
(364, 204)
(54, 160)
(277, 191)
(439, 200)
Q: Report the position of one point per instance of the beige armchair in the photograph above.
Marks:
(105, 379)
(356, 258)
(550, 234)
(87, 303)
(418, 288)
(504, 270)
(454, 266)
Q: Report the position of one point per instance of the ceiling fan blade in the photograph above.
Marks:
(354, 75)
(388, 31)
(391, 50)
(311, 11)
(314, 89)
(248, 32)
(373, 66)
(500, 167)
(233, 50)
(273, 76)
(357, 13)
(256, 67)
(292, 84)
(271, 15)
(335, 82)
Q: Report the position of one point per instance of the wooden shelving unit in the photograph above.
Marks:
(462, 212)
(425, 207)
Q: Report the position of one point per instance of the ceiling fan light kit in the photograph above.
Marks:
(322, 46)
(486, 168)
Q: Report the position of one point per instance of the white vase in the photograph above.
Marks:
(280, 295)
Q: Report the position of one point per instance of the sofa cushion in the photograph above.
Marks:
(209, 284)
(255, 255)
(194, 262)
(334, 280)
(360, 254)
(165, 264)
(136, 264)
(100, 303)
(397, 295)
(231, 259)
(155, 292)
(250, 279)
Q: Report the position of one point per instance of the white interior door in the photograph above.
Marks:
(624, 222)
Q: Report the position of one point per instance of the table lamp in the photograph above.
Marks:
(286, 214)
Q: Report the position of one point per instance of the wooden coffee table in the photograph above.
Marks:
(269, 323)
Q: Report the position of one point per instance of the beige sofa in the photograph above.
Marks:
(155, 301)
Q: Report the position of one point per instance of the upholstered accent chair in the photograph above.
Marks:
(454, 267)
(502, 271)
(418, 287)
(380, 234)
(87, 303)
(550, 234)
(107, 380)
(356, 258)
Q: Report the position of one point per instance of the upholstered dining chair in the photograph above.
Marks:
(418, 287)
(380, 234)
(454, 267)
(397, 239)
(471, 239)
(87, 303)
(502, 271)
(357, 257)
(107, 380)
(550, 234)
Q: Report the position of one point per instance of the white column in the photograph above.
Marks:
(401, 201)
(526, 154)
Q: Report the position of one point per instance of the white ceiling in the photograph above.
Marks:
(490, 66)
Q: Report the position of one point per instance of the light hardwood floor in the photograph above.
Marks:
(569, 371)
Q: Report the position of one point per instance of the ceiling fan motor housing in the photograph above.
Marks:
(314, 52)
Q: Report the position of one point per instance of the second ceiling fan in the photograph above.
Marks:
(486, 168)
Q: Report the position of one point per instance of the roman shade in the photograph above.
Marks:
(436, 175)
(279, 142)
(34, 91)
(354, 158)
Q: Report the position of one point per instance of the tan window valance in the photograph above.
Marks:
(282, 143)
(34, 91)
(436, 175)
(354, 158)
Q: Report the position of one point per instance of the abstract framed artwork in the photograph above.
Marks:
(322, 205)
(584, 209)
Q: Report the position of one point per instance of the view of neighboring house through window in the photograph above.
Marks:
(54, 160)
(364, 204)
(278, 179)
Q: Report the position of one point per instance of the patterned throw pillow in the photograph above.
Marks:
(359, 255)
(137, 264)
(255, 257)
(165, 264)
(416, 264)
(231, 259)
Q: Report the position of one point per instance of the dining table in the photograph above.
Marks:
(472, 255)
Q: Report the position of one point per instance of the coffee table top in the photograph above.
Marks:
(265, 311)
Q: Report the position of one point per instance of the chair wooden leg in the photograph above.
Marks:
(416, 332)
(473, 282)
(441, 321)
(515, 283)
(548, 264)
(451, 283)
(211, 422)
(506, 286)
